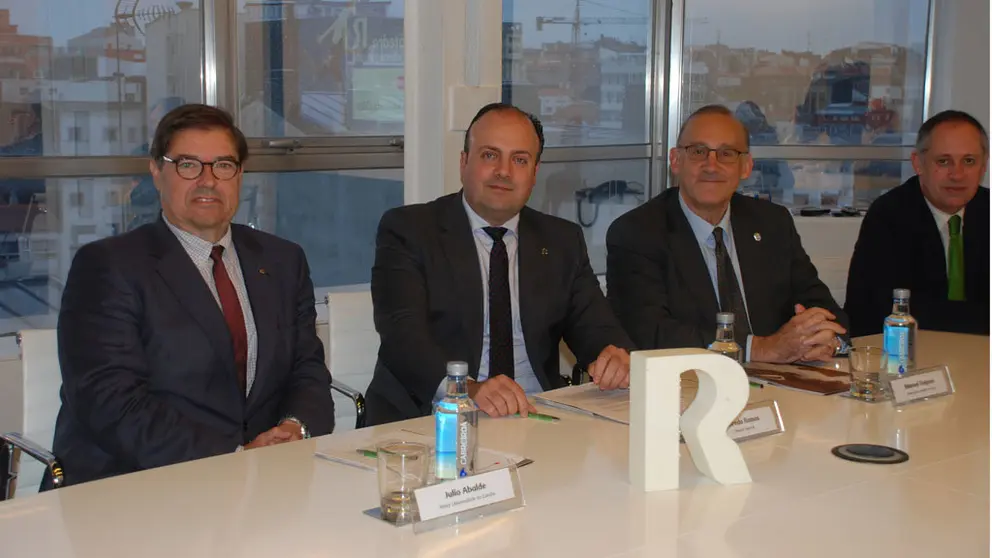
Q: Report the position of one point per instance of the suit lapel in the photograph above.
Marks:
(532, 270)
(262, 296)
(192, 294)
(931, 247)
(976, 244)
(463, 260)
(688, 259)
(747, 230)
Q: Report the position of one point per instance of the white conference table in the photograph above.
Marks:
(282, 501)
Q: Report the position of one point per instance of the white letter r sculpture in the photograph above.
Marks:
(656, 417)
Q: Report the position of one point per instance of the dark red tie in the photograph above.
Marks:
(232, 315)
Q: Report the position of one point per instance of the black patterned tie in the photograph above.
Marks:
(731, 299)
(500, 324)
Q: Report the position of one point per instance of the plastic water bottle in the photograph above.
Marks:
(899, 335)
(724, 342)
(456, 426)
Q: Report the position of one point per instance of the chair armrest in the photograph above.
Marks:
(356, 397)
(13, 441)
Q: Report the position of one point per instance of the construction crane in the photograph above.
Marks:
(577, 21)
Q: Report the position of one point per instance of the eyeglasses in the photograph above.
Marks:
(191, 169)
(700, 152)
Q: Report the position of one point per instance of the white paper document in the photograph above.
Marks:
(611, 405)
(758, 418)
(590, 400)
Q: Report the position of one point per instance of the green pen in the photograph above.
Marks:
(757, 385)
(367, 453)
(539, 416)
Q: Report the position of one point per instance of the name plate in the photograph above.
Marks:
(464, 494)
(920, 385)
(761, 419)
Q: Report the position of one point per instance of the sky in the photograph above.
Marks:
(769, 24)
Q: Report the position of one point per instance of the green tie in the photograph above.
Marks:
(955, 261)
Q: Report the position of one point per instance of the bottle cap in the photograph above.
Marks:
(900, 293)
(457, 368)
(725, 318)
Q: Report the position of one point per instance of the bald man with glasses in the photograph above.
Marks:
(699, 249)
(191, 336)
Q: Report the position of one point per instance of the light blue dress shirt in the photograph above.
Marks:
(523, 372)
(703, 231)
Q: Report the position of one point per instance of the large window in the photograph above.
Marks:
(321, 68)
(581, 66)
(817, 76)
(333, 215)
(831, 94)
(317, 86)
(584, 68)
(93, 78)
(592, 194)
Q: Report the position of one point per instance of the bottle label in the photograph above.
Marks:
(896, 345)
(464, 459)
(446, 426)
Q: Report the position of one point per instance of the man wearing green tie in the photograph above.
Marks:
(929, 235)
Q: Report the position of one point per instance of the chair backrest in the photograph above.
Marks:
(41, 379)
(352, 348)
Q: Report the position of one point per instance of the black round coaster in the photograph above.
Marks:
(870, 453)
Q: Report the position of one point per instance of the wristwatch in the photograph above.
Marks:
(303, 428)
(842, 346)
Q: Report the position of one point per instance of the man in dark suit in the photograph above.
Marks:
(700, 249)
(476, 276)
(930, 235)
(188, 337)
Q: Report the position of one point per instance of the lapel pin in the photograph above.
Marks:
(757, 237)
(544, 251)
(261, 271)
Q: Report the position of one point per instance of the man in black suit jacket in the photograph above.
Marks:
(188, 337)
(429, 290)
(664, 261)
(906, 239)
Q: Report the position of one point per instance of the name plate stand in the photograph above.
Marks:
(460, 501)
(755, 421)
(921, 384)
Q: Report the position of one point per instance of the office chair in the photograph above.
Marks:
(41, 379)
(352, 345)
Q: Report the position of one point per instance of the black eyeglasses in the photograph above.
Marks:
(700, 152)
(191, 169)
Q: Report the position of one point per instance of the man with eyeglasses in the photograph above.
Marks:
(700, 248)
(190, 336)
(930, 235)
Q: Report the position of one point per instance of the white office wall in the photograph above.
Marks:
(961, 58)
(452, 68)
